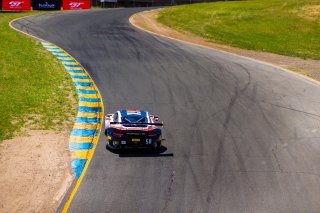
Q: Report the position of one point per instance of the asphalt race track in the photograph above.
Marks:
(241, 136)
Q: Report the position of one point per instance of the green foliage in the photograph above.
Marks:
(35, 88)
(287, 27)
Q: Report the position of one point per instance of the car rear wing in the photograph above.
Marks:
(138, 123)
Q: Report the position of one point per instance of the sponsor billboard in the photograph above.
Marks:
(19, 5)
(76, 4)
(46, 4)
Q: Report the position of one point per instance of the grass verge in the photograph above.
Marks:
(35, 90)
(286, 27)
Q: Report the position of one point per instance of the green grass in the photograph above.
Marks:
(287, 27)
(35, 90)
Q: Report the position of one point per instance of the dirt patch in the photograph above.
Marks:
(310, 12)
(148, 20)
(35, 171)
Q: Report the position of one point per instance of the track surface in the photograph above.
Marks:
(245, 136)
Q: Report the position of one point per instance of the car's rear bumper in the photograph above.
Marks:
(115, 144)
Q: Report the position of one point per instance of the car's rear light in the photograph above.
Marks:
(151, 135)
(117, 134)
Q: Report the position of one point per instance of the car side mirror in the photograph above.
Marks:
(156, 118)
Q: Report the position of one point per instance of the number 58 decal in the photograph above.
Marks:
(148, 141)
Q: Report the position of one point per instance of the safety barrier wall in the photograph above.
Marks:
(76, 4)
(16, 5)
(144, 3)
(46, 4)
(86, 4)
(25, 5)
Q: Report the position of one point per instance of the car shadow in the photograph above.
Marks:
(127, 153)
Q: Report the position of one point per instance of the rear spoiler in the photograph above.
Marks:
(154, 124)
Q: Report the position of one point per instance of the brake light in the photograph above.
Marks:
(152, 135)
(117, 134)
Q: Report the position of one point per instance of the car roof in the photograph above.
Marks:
(128, 112)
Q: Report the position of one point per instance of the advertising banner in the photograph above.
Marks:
(18, 5)
(76, 4)
(46, 4)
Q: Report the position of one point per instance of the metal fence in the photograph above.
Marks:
(144, 3)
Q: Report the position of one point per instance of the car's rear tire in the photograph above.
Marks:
(157, 145)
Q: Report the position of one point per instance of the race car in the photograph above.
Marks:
(133, 129)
